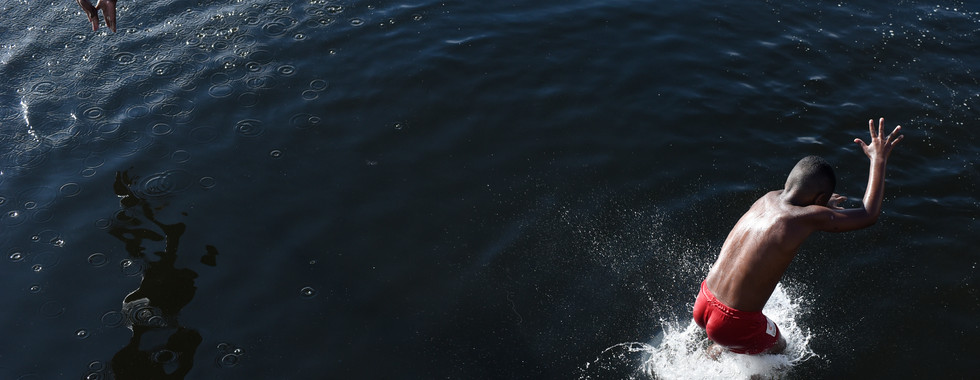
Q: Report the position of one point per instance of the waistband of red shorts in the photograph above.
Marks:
(721, 306)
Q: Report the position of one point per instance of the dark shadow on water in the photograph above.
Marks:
(161, 348)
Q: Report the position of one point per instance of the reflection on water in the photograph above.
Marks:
(160, 348)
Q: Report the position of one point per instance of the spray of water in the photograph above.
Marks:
(678, 351)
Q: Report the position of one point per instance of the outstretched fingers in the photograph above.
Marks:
(861, 143)
(892, 139)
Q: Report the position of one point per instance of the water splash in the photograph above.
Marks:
(678, 351)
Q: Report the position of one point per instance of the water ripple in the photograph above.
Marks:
(249, 127)
(166, 69)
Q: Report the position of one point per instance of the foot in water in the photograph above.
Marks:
(714, 351)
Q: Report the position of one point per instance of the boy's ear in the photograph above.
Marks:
(822, 199)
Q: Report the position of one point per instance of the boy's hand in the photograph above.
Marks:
(835, 201)
(880, 148)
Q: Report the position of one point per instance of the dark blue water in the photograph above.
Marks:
(331, 190)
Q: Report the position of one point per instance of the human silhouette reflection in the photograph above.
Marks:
(160, 347)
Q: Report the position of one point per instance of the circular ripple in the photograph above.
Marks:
(166, 183)
(164, 356)
(251, 20)
(207, 182)
(124, 58)
(142, 314)
(249, 127)
(93, 113)
(12, 218)
(220, 91)
(112, 318)
(135, 112)
(307, 292)
(174, 107)
(244, 40)
(98, 259)
(180, 156)
(130, 267)
(166, 69)
(274, 29)
(318, 85)
(70, 189)
(228, 360)
(110, 131)
(286, 70)
(261, 82)
(304, 121)
(310, 95)
(161, 129)
(44, 88)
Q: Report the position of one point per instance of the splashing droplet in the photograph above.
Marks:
(307, 292)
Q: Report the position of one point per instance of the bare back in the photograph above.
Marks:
(757, 251)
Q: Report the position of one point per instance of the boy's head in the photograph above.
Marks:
(811, 181)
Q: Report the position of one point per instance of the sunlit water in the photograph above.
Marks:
(347, 189)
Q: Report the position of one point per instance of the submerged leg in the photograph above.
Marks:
(714, 351)
(777, 348)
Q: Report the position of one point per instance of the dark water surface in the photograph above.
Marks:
(449, 189)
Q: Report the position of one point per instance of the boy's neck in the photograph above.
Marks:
(796, 199)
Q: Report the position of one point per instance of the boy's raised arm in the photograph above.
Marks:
(877, 151)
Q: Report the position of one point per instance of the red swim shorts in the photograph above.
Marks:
(740, 331)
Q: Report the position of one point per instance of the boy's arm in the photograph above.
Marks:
(839, 220)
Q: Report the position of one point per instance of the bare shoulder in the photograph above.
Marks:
(793, 215)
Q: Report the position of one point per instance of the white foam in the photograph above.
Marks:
(678, 351)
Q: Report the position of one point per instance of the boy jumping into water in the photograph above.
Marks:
(764, 241)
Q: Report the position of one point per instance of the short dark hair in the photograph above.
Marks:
(812, 174)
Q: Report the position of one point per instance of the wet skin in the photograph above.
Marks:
(764, 241)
